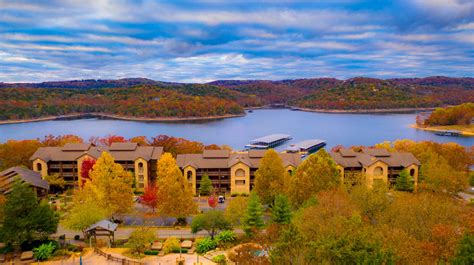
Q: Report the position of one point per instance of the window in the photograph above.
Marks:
(290, 172)
(39, 166)
(140, 167)
(240, 173)
(412, 172)
(240, 182)
(189, 175)
(378, 171)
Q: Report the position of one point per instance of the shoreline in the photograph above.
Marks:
(434, 129)
(209, 118)
(117, 117)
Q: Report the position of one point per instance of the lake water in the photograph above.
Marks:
(335, 129)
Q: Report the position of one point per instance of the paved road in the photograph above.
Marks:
(124, 233)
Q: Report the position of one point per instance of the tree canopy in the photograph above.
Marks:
(269, 177)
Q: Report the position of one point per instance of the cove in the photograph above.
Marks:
(335, 128)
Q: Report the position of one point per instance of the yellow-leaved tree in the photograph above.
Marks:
(270, 177)
(317, 173)
(175, 197)
(112, 185)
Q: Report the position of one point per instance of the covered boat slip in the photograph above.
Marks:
(268, 141)
(307, 146)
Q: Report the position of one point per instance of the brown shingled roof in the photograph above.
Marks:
(369, 156)
(32, 178)
(200, 161)
(120, 152)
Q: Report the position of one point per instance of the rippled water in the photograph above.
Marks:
(345, 129)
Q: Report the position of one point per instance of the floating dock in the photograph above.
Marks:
(307, 146)
(448, 133)
(268, 141)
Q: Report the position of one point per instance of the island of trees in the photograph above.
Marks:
(144, 98)
(308, 216)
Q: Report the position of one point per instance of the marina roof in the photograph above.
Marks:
(309, 143)
(270, 138)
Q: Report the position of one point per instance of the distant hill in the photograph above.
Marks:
(149, 98)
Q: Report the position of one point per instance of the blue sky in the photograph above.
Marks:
(191, 41)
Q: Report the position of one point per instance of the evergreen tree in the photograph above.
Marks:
(205, 187)
(281, 213)
(465, 251)
(26, 218)
(253, 219)
(270, 177)
(404, 181)
(174, 193)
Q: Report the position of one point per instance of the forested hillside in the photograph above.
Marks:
(140, 97)
(142, 101)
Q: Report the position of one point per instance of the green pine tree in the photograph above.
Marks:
(465, 251)
(205, 187)
(281, 213)
(253, 219)
(25, 218)
(404, 181)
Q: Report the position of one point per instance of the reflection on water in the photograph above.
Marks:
(335, 129)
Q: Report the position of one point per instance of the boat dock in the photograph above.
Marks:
(307, 146)
(268, 141)
(448, 133)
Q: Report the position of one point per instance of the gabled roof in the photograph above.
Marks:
(120, 152)
(76, 147)
(251, 158)
(216, 154)
(369, 156)
(104, 224)
(28, 176)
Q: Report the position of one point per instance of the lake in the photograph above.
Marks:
(334, 128)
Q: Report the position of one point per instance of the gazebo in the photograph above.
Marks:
(102, 228)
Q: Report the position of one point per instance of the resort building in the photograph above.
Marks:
(229, 172)
(370, 165)
(24, 175)
(67, 160)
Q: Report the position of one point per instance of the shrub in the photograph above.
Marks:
(205, 244)
(77, 237)
(171, 244)
(471, 179)
(220, 259)
(151, 252)
(183, 250)
(225, 237)
(44, 251)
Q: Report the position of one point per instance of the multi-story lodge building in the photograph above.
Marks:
(374, 164)
(229, 172)
(67, 160)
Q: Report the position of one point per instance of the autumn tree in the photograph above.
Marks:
(112, 185)
(270, 177)
(212, 221)
(25, 218)
(86, 167)
(281, 212)
(174, 193)
(15, 153)
(253, 219)
(404, 181)
(56, 181)
(236, 209)
(140, 239)
(317, 173)
(371, 201)
(205, 187)
(61, 140)
(150, 197)
(84, 211)
(141, 140)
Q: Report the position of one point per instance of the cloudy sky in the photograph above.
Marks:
(189, 41)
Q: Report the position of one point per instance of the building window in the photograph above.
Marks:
(39, 166)
(140, 167)
(378, 171)
(189, 175)
(240, 182)
(240, 173)
(412, 172)
(290, 172)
